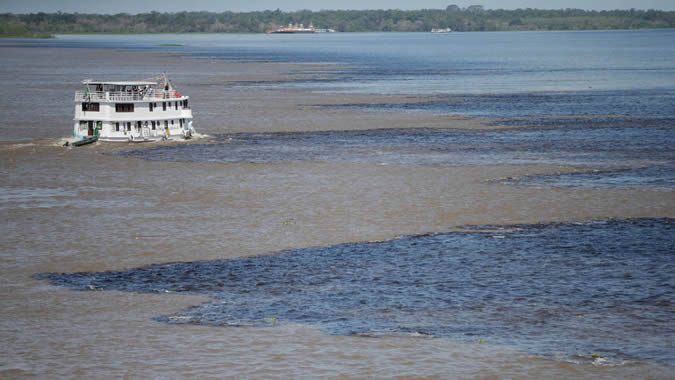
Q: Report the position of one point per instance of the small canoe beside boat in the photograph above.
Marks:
(86, 140)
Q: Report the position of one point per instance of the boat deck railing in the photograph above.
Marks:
(125, 96)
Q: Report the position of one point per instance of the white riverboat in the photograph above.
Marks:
(132, 111)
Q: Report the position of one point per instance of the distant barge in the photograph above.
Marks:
(299, 28)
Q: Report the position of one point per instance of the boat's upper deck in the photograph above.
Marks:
(127, 91)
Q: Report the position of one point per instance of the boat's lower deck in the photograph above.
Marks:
(138, 131)
(140, 139)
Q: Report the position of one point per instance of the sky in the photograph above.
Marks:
(140, 6)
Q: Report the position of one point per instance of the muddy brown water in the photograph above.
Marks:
(85, 209)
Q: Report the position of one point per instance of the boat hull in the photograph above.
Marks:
(293, 31)
(141, 139)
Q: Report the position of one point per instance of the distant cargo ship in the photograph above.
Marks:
(441, 30)
(300, 28)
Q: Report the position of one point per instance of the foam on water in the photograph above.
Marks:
(556, 290)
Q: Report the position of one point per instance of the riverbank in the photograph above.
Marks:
(470, 19)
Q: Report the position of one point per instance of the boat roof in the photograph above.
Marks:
(121, 83)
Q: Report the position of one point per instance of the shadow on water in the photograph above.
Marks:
(557, 290)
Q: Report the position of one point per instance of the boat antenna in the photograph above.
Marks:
(167, 82)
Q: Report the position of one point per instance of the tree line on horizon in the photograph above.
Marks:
(469, 19)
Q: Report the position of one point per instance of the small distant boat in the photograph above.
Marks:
(441, 30)
(85, 140)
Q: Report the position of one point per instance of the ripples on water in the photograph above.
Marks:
(541, 107)
(33, 197)
(558, 290)
(657, 176)
(629, 155)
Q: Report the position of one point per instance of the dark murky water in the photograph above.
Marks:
(635, 155)
(542, 108)
(558, 290)
(656, 176)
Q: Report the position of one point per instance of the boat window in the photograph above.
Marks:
(124, 107)
(117, 126)
(128, 126)
(163, 106)
(181, 122)
(83, 125)
(171, 122)
(185, 103)
(150, 107)
(166, 123)
(153, 125)
(91, 107)
(176, 105)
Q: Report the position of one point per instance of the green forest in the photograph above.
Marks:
(470, 19)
